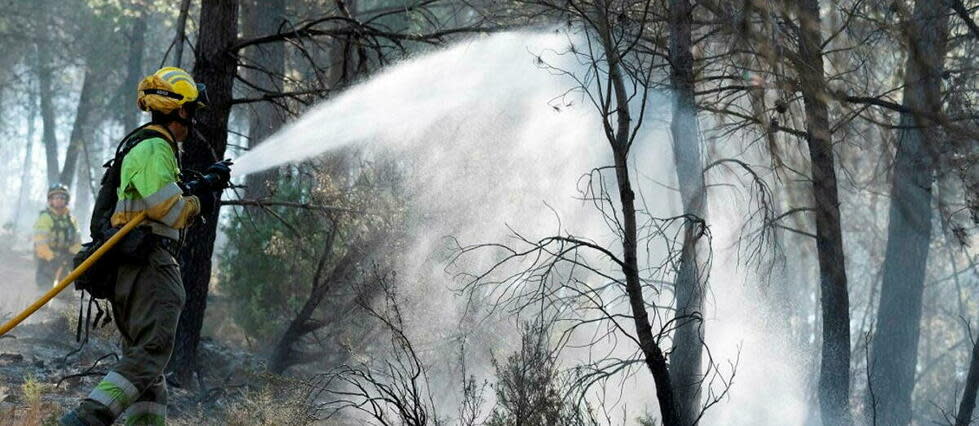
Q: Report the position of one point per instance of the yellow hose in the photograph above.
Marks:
(9, 325)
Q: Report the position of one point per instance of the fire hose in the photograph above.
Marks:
(73, 275)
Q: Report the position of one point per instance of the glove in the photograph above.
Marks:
(218, 175)
(215, 178)
(43, 251)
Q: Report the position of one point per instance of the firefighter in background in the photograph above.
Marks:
(56, 239)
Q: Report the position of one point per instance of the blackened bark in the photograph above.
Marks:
(968, 403)
(263, 18)
(655, 359)
(215, 68)
(79, 130)
(349, 57)
(834, 372)
(46, 92)
(895, 346)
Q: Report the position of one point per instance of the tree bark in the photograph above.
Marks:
(894, 355)
(655, 359)
(686, 357)
(968, 403)
(45, 92)
(834, 372)
(25, 174)
(79, 130)
(215, 67)
(265, 118)
(134, 72)
(181, 37)
(82, 193)
(283, 355)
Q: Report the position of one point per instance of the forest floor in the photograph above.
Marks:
(44, 371)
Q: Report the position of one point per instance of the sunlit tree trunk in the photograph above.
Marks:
(214, 67)
(895, 346)
(834, 371)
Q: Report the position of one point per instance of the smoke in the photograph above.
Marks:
(492, 140)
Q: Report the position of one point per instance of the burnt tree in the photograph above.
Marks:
(834, 371)
(619, 133)
(215, 68)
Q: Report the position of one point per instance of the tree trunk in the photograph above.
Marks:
(283, 355)
(45, 92)
(349, 57)
(264, 117)
(968, 403)
(215, 67)
(834, 372)
(181, 37)
(79, 130)
(82, 193)
(655, 359)
(25, 174)
(134, 72)
(686, 357)
(895, 347)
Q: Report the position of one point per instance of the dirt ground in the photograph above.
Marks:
(44, 371)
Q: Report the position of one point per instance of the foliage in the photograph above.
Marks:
(277, 401)
(266, 269)
(269, 268)
(529, 387)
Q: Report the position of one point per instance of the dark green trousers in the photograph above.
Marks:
(146, 304)
(50, 271)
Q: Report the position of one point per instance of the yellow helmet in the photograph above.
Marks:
(167, 90)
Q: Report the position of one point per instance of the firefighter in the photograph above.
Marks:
(148, 295)
(56, 239)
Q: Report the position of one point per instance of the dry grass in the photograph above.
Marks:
(280, 401)
(33, 411)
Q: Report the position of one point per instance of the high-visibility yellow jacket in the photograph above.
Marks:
(148, 182)
(55, 234)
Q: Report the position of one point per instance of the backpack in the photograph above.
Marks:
(99, 280)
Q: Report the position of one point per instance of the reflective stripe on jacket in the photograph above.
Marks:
(148, 182)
